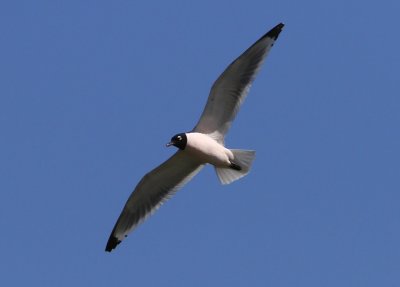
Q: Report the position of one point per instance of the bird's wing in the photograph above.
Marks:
(154, 189)
(232, 86)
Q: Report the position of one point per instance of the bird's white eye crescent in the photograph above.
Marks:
(179, 137)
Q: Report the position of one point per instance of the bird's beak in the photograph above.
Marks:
(169, 144)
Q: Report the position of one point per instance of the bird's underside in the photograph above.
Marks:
(226, 96)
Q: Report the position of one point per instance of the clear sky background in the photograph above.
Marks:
(90, 92)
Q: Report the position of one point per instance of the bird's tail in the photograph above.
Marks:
(240, 167)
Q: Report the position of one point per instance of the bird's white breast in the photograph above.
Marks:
(208, 150)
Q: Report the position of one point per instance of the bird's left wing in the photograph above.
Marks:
(232, 86)
(154, 189)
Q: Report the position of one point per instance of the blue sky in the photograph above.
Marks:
(92, 90)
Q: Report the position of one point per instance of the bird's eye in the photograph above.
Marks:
(179, 138)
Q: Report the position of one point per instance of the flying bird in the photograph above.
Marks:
(203, 145)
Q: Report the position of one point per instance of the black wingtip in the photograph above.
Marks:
(112, 243)
(274, 32)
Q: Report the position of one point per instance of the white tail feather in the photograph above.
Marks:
(244, 159)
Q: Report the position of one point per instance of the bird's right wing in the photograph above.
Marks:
(154, 189)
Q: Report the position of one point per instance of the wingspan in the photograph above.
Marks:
(153, 190)
(232, 86)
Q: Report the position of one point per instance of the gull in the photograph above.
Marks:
(203, 145)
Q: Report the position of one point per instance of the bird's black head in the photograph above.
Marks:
(178, 140)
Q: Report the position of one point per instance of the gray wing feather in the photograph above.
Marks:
(232, 86)
(151, 192)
